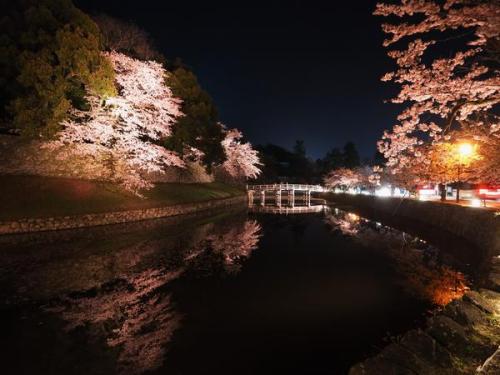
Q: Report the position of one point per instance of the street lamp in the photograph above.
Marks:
(465, 151)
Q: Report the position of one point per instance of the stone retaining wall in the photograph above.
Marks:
(79, 221)
(464, 337)
(461, 339)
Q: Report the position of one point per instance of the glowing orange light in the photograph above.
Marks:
(352, 217)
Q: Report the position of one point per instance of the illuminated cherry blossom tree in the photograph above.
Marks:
(348, 178)
(486, 166)
(447, 97)
(126, 128)
(242, 161)
(342, 177)
(405, 177)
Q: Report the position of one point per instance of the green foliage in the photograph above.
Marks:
(333, 160)
(285, 166)
(49, 58)
(281, 165)
(199, 127)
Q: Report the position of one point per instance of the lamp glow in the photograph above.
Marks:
(465, 149)
(475, 203)
(383, 192)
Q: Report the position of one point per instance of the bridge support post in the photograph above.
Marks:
(250, 197)
(307, 197)
(263, 198)
(278, 197)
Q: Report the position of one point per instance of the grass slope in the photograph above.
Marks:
(33, 196)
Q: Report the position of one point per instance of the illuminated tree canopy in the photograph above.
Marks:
(127, 127)
(347, 178)
(448, 98)
(242, 161)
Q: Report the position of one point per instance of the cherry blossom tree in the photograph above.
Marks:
(445, 160)
(485, 166)
(342, 177)
(242, 161)
(348, 178)
(407, 178)
(127, 127)
(449, 96)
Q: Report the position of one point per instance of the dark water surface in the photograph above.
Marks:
(238, 293)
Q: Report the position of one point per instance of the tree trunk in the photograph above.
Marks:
(442, 192)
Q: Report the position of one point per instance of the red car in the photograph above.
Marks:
(488, 192)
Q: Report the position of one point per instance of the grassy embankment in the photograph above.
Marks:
(30, 196)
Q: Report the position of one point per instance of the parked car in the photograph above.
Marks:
(485, 192)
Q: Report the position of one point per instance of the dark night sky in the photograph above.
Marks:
(278, 70)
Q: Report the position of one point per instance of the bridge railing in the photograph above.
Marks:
(287, 210)
(286, 186)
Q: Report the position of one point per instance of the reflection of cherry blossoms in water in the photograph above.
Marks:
(134, 311)
(237, 243)
(347, 223)
(420, 274)
(142, 318)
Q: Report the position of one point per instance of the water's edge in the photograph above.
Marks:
(476, 233)
(464, 337)
(29, 225)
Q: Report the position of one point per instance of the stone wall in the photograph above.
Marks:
(88, 220)
(463, 338)
(478, 227)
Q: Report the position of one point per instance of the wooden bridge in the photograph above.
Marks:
(279, 191)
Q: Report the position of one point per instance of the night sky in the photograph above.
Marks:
(278, 70)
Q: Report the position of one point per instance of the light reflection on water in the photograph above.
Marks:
(233, 294)
(417, 263)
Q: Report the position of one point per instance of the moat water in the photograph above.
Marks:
(265, 290)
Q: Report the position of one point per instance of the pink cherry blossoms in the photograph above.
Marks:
(445, 96)
(341, 177)
(347, 178)
(125, 128)
(241, 159)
